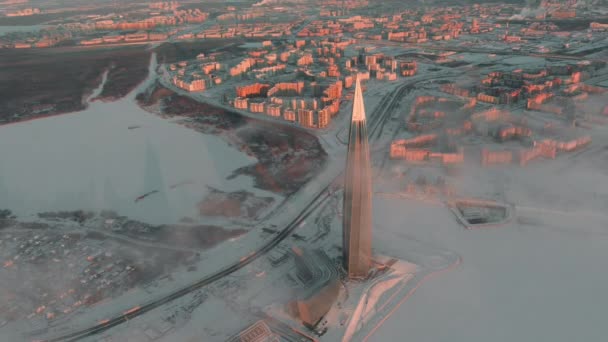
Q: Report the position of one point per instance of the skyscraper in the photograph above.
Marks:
(357, 224)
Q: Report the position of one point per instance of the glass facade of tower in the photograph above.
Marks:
(357, 224)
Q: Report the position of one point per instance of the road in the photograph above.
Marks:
(310, 208)
(375, 123)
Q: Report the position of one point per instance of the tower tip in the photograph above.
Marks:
(358, 106)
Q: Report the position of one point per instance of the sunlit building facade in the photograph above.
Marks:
(357, 224)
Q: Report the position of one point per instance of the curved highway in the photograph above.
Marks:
(314, 204)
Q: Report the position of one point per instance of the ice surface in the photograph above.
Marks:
(523, 282)
(29, 28)
(519, 60)
(92, 160)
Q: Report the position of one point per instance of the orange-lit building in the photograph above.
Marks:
(488, 98)
(286, 89)
(257, 107)
(244, 66)
(241, 103)
(190, 85)
(273, 110)
(305, 60)
(306, 117)
(289, 115)
(253, 90)
(496, 157)
(451, 88)
(564, 13)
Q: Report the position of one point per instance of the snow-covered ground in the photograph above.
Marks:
(92, 160)
(539, 278)
(200, 324)
(519, 60)
(246, 295)
(29, 28)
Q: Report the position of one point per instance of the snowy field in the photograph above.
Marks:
(475, 58)
(519, 60)
(251, 45)
(31, 28)
(92, 160)
(539, 278)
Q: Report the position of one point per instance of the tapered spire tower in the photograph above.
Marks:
(357, 224)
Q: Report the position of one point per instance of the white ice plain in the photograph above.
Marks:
(540, 279)
(91, 160)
